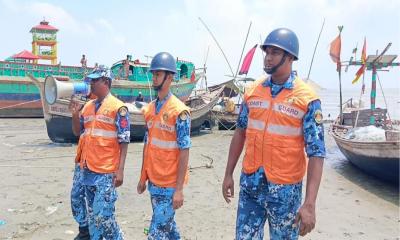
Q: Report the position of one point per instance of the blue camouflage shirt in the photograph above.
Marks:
(312, 131)
(182, 126)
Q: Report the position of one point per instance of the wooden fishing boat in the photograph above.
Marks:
(59, 124)
(378, 156)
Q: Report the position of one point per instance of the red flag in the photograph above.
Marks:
(336, 45)
(247, 61)
(363, 60)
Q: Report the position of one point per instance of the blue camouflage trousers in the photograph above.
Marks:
(259, 200)
(101, 197)
(78, 199)
(163, 225)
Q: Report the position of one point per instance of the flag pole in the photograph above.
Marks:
(240, 60)
(340, 93)
(339, 70)
(315, 49)
(363, 82)
(219, 46)
(241, 55)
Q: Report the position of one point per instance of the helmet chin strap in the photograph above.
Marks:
(159, 87)
(273, 69)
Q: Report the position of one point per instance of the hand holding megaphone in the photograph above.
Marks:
(74, 106)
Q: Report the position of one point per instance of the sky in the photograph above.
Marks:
(106, 31)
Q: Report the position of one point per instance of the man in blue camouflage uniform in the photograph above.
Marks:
(161, 197)
(99, 187)
(261, 199)
(163, 201)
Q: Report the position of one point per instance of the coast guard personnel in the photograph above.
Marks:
(280, 118)
(166, 150)
(104, 123)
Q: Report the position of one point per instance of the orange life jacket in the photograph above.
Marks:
(80, 142)
(161, 156)
(274, 134)
(100, 150)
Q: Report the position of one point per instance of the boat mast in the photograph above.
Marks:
(376, 63)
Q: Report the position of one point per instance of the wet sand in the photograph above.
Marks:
(36, 178)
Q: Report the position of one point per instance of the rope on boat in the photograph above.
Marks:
(384, 98)
(359, 100)
(18, 104)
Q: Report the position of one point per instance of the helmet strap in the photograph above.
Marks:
(159, 87)
(273, 69)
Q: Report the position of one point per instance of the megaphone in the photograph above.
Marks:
(55, 89)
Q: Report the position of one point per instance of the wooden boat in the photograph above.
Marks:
(378, 158)
(376, 152)
(225, 113)
(59, 125)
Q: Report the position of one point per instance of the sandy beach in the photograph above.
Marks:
(36, 178)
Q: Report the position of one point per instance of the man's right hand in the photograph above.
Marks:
(141, 187)
(74, 106)
(228, 188)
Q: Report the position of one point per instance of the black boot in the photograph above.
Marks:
(83, 234)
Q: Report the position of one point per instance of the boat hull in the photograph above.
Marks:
(381, 167)
(64, 134)
(380, 159)
(21, 109)
(21, 98)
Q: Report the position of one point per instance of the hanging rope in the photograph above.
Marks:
(359, 100)
(384, 98)
(19, 104)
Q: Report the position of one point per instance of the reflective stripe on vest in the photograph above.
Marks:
(164, 144)
(284, 130)
(256, 124)
(100, 133)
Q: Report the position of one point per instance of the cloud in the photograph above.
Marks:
(105, 24)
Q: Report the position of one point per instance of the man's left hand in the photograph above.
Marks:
(306, 218)
(118, 178)
(177, 200)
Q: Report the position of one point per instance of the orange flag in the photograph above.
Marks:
(336, 45)
(364, 52)
(363, 60)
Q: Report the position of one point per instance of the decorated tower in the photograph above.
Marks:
(44, 42)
